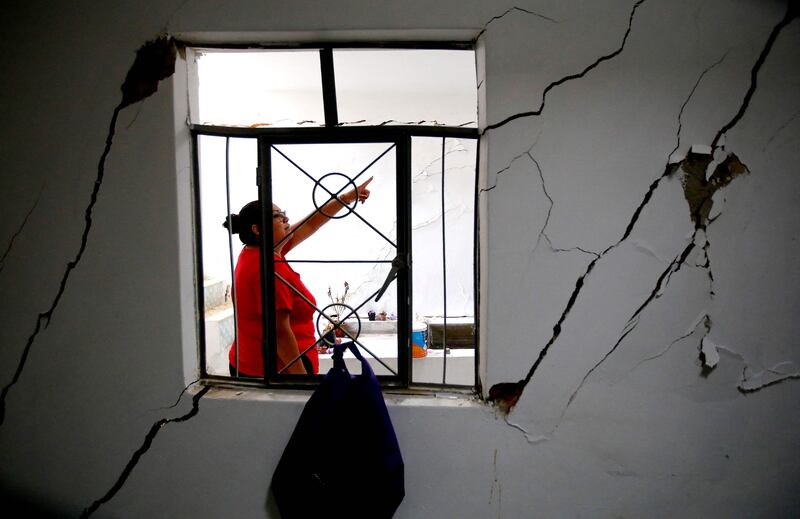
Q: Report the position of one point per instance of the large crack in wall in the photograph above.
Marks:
(138, 453)
(699, 189)
(506, 394)
(154, 61)
(153, 64)
(537, 112)
(699, 194)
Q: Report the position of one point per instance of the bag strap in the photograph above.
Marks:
(338, 351)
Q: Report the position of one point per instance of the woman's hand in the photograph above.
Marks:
(311, 223)
(359, 194)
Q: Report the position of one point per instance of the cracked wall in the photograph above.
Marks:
(640, 246)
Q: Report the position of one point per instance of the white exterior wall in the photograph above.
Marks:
(642, 435)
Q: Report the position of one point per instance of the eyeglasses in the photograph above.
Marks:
(281, 215)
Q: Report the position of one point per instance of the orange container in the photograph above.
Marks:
(419, 343)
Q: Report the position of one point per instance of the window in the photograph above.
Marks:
(298, 127)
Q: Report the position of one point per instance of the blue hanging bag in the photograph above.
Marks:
(343, 459)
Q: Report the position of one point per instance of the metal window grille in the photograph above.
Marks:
(395, 143)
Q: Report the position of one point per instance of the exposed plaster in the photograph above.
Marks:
(155, 61)
(148, 442)
(20, 228)
(699, 189)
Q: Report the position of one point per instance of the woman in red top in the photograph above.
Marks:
(294, 325)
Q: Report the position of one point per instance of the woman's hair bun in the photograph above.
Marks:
(243, 223)
(233, 223)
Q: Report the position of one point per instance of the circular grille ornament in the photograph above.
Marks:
(325, 186)
(341, 309)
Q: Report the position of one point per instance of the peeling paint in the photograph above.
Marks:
(148, 442)
(531, 439)
(754, 382)
(155, 61)
(699, 189)
(709, 356)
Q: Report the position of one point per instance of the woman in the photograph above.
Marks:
(294, 325)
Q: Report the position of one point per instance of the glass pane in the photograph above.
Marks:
(394, 86)
(429, 272)
(354, 249)
(219, 253)
(281, 88)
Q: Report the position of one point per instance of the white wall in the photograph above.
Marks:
(642, 435)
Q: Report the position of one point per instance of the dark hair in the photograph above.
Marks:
(242, 223)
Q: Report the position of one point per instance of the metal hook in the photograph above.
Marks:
(397, 264)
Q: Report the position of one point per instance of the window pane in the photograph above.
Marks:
(218, 252)
(367, 236)
(396, 86)
(280, 88)
(430, 249)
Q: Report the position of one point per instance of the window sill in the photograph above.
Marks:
(393, 398)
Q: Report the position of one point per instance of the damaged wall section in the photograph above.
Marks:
(643, 213)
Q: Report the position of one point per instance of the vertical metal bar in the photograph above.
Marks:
(404, 277)
(444, 280)
(198, 230)
(328, 87)
(230, 250)
(476, 262)
(269, 337)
